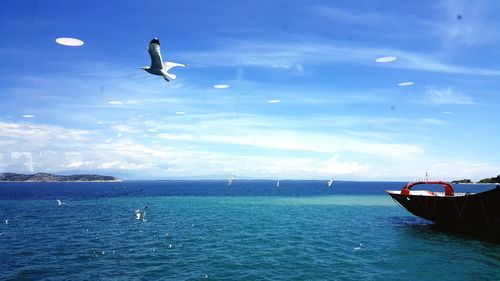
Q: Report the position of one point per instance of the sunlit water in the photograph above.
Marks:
(199, 230)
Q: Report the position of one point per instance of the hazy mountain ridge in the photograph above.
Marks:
(46, 177)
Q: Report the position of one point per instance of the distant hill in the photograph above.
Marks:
(491, 180)
(462, 181)
(46, 177)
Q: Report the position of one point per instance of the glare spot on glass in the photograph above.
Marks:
(67, 41)
(403, 84)
(386, 59)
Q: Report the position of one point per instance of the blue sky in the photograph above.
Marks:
(340, 113)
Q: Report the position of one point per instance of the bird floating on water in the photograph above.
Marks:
(59, 202)
(140, 214)
(158, 67)
(359, 248)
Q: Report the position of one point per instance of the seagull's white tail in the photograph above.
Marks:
(167, 66)
(169, 76)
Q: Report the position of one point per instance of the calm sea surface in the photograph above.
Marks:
(197, 230)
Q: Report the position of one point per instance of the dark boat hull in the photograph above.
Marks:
(480, 210)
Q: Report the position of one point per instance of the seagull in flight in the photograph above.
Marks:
(59, 202)
(140, 214)
(158, 67)
(330, 182)
(230, 180)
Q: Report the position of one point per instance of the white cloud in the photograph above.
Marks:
(88, 150)
(385, 59)
(272, 55)
(433, 121)
(314, 142)
(403, 84)
(469, 23)
(176, 136)
(358, 18)
(345, 156)
(221, 86)
(35, 133)
(464, 169)
(447, 96)
(125, 129)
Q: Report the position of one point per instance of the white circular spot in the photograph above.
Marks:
(386, 59)
(180, 113)
(221, 86)
(403, 84)
(115, 102)
(72, 42)
(28, 116)
(273, 101)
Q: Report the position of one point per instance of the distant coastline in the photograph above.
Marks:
(46, 177)
(492, 180)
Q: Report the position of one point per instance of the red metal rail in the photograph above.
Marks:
(448, 188)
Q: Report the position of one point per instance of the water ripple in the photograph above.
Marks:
(234, 238)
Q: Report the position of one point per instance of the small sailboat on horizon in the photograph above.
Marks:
(277, 182)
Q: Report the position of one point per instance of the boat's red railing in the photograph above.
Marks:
(448, 188)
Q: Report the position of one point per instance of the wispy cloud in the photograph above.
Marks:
(447, 96)
(176, 137)
(289, 133)
(467, 169)
(183, 150)
(433, 121)
(38, 135)
(352, 17)
(93, 153)
(469, 23)
(289, 55)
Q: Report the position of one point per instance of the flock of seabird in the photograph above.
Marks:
(230, 180)
(160, 68)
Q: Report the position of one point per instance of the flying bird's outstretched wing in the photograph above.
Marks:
(168, 65)
(154, 52)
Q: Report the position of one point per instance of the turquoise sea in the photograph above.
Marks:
(198, 230)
